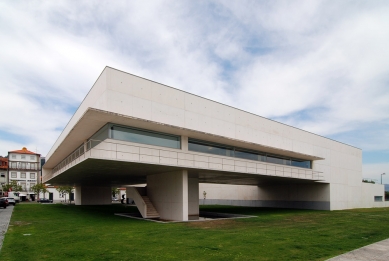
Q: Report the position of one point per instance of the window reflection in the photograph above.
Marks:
(225, 150)
(249, 155)
(134, 135)
(210, 148)
(301, 164)
(145, 137)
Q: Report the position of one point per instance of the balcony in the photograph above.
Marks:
(147, 154)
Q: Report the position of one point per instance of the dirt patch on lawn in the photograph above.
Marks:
(214, 224)
(19, 223)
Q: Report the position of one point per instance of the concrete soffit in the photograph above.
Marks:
(93, 119)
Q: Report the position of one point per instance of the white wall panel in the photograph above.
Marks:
(168, 96)
(167, 114)
(141, 108)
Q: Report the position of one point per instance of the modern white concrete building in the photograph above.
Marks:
(129, 130)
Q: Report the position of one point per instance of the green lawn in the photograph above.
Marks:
(61, 232)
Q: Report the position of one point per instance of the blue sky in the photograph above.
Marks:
(322, 66)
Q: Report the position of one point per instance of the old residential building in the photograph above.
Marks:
(24, 167)
(3, 171)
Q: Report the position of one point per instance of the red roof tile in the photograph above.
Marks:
(24, 150)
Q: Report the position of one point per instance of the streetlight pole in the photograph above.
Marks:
(381, 177)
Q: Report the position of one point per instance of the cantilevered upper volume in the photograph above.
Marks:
(129, 129)
(128, 96)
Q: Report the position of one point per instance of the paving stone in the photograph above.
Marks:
(375, 252)
(5, 217)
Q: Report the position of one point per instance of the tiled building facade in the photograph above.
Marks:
(24, 167)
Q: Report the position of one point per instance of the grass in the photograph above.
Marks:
(68, 232)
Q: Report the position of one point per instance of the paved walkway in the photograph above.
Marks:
(375, 252)
(5, 217)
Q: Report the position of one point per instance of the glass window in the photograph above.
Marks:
(32, 157)
(32, 165)
(23, 175)
(2, 175)
(377, 198)
(225, 150)
(101, 134)
(301, 163)
(23, 165)
(277, 160)
(14, 175)
(250, 155)
(14, 156)
(32, 175)
(212, 148)
(13, 165)
(146, 137)
(23, 156)
(23, 184)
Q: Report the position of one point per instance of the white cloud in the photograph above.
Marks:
(277, 59)
(342, 69)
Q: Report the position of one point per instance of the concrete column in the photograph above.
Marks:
(184, 143)
(169, 194)
(85, 145)
(193, 196)
(93, 195)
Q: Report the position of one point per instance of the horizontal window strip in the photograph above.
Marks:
(229, 151)
(131, 134)
(145, 137)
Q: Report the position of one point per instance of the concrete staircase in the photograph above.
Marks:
(142, 202)
(151, 211)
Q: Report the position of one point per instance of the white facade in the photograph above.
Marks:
(54, 195)
(24, 167)
(332, 181)
(3, 177)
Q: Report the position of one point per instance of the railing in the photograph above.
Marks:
(74, 155)
(174, 157)
(22, 165)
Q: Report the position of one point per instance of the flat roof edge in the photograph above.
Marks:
(229, 106)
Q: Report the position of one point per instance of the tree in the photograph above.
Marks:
(13, 185)
(65, 190)
(115, 191)
(61, 190)
(38, 188)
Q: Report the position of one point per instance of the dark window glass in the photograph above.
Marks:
(301, 163)
(277, 160)
(377, 198)
(224, 150)
(211, 148)
(101, 134)
(243, 154)
(146, 137)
